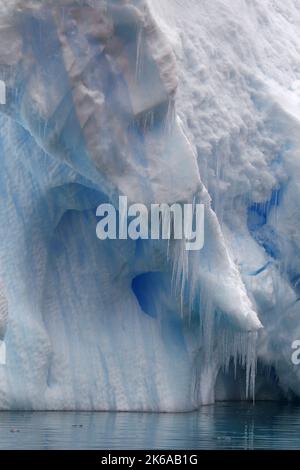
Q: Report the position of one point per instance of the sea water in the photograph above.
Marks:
(220, 426)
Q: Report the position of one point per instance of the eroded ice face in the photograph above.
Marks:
(94, 83)
(95, 88)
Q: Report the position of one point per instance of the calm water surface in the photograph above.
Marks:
(221, 426)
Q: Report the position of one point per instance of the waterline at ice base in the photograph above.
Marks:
(163, 102)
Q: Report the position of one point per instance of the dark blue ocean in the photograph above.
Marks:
(221, 426)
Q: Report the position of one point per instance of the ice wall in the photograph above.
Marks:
(239, 98)
(156, 102)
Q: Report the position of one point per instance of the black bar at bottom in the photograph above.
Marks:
(134, 459)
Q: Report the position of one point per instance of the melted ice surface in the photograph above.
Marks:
(161, 103)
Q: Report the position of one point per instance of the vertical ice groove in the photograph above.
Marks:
(3, 311)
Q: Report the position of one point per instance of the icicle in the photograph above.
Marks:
(240, 347)
(180, 270)
(220, 345)
(138, 64)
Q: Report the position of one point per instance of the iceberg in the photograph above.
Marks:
(160, 104)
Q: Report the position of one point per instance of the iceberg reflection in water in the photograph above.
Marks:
(221, 426)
